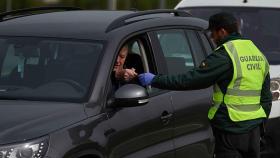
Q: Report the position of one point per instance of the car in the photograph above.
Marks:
(259, 22)
(56, 92)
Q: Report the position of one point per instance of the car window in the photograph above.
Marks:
(45, 69)
(176, 50)
(134, 57)
(135, 48)
(10, 63)
(143, 59)
(127, 65)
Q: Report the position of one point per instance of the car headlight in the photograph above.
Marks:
(275, 88)
(32, 149)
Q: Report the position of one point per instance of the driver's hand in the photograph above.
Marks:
(119, 73)
(129, 74)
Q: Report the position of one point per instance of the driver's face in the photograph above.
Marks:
(121, 58)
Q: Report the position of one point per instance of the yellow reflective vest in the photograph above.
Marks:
(242, 97)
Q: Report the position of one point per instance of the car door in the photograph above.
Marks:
(192, 132)
(142, 131)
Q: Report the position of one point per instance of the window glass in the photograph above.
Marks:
(10, 63)
(128, 64)
(44, 69)
(135, 48)
(139, 56)
(176, 49)
(133, 59)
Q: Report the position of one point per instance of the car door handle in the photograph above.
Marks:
(165, 117)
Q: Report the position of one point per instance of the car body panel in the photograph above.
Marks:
(192, 130)
(149, 136)
(85, 135)
(25, 120)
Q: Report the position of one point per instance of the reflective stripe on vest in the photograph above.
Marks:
(242, 98)
(217, 100)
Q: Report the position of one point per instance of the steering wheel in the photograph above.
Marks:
(76, 85)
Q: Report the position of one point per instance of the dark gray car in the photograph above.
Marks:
(57, 95)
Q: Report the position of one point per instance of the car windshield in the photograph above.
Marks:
(46, 69)
(261, 25)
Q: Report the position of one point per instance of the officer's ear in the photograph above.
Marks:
(223, 32)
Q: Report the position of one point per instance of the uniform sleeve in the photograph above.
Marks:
(214, 68)
(266, 96)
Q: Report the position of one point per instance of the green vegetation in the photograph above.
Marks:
(90, 4)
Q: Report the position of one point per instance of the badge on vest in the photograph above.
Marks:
(253, 62)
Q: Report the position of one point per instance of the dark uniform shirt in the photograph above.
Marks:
(216, 68)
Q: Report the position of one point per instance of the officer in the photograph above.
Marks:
(241, 99)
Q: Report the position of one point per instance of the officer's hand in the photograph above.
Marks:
(146, 78)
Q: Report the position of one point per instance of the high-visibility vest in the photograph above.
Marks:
(242, 97)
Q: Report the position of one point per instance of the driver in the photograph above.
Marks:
(122, 75)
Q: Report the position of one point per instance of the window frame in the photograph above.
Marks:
(197, 58)
(200, 35)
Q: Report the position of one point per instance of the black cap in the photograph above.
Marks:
(221, 20)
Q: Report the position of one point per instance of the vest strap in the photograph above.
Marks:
(237, 92)
(231, 49)
(248, 107)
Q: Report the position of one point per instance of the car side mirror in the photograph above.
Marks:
(131, 95)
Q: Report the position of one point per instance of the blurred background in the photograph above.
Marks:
(8, 5)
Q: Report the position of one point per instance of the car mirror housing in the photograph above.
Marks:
(131, 95)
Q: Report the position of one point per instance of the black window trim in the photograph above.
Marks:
(202, 43)
(157, 53)
(194, 56)
(206, 53)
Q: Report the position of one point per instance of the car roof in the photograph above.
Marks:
(77, 24)
(89, 24)
(229, 3)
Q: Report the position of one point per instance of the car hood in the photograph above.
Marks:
(23, 120)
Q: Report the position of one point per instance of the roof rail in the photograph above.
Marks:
(121, 21)
(27, 11)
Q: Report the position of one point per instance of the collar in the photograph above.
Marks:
(233, 36)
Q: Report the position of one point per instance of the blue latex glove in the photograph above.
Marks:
(146, 78)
